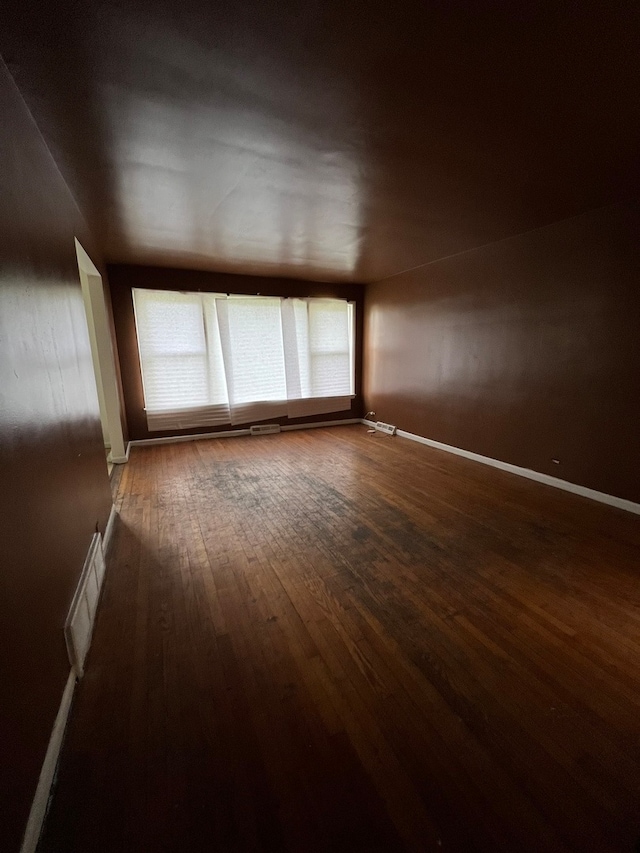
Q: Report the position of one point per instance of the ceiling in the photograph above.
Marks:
(328, 139)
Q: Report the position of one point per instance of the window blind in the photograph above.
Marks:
(209, 359)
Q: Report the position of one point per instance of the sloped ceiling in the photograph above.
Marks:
(328, 140)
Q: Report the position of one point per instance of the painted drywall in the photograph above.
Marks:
(123, 278)
(526, 350)
(55, 489)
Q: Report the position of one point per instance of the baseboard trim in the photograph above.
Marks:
(108, 531)
(232, 433)
(178, 439)
(546, 479)
(48, 771)
(317, 424)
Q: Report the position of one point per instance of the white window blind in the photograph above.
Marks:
(183, 380)
(210, 359)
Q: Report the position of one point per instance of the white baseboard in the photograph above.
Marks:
(317, 424)
(177, 439)
(108, 531)
(547, 479)
(47, 773)
(231, 433)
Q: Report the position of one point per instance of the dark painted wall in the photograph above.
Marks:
(526, 350)
(55, 489)
(123, 277)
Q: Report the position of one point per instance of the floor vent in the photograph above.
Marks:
(388, 428)
(264, 429)
(79, 624)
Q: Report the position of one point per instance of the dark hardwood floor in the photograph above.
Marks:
(330, 641)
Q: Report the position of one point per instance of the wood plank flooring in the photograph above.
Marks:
(330, 641)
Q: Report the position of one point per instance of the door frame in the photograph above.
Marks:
(102, 352)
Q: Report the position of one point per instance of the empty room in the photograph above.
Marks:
(319, 427)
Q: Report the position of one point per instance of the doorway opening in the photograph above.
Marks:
(103, 359)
